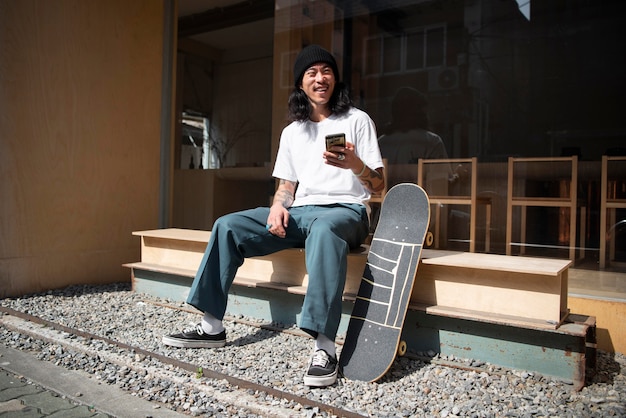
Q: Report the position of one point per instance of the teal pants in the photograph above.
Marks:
(327, 233)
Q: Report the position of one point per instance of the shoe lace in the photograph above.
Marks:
(194, 327)
(320, 358)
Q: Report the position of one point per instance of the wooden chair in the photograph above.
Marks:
(609, 203)
(438, 194)
(546, 170)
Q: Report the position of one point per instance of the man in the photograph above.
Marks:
(319, 204)
(408, 137)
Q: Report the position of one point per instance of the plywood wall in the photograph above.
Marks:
(80, 98)
(610, 318)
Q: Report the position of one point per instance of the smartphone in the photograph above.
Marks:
(335, 139)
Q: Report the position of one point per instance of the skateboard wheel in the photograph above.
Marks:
(429, 239)
(402, 348)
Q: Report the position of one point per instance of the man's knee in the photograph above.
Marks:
(228, 221)
(223, 221)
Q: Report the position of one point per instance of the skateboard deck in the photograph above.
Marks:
(375, 326)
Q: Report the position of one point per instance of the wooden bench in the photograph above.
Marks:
(509, 311)
(506, 289)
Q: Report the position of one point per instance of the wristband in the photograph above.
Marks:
(362, 171)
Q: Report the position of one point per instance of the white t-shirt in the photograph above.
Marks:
(300, 159)
(409, 146)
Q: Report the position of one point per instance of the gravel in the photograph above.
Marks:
(415, 386)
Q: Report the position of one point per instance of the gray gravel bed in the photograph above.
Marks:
(413, 387)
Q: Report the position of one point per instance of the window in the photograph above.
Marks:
(414, 50)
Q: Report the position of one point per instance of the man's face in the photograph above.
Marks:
(318, 83)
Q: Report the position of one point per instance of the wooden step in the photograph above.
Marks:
(526, 288)
(506, 289)
(173, 247)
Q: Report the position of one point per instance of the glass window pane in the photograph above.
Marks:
(372, 56)
(493, 79)
(415, 50)
(435, 47)
(392, 47)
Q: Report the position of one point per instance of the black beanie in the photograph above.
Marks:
(309, 56)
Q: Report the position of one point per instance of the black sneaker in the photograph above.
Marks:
(322, 370)
(195, 337)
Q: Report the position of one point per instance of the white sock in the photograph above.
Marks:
(325, 344)
(211, 325)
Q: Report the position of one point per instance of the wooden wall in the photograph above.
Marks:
(610, 318)
(80, 101)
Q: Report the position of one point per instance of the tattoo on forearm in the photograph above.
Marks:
(372, 178)
(285, 197)
(375, 174)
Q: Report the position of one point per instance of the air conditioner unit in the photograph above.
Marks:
(443, 79)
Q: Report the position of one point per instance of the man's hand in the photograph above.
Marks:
(345, 158)
(278, 218)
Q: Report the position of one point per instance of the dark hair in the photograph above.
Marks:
(300, 107)
(408, 110)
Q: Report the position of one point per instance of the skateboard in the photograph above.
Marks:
(373, 336)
